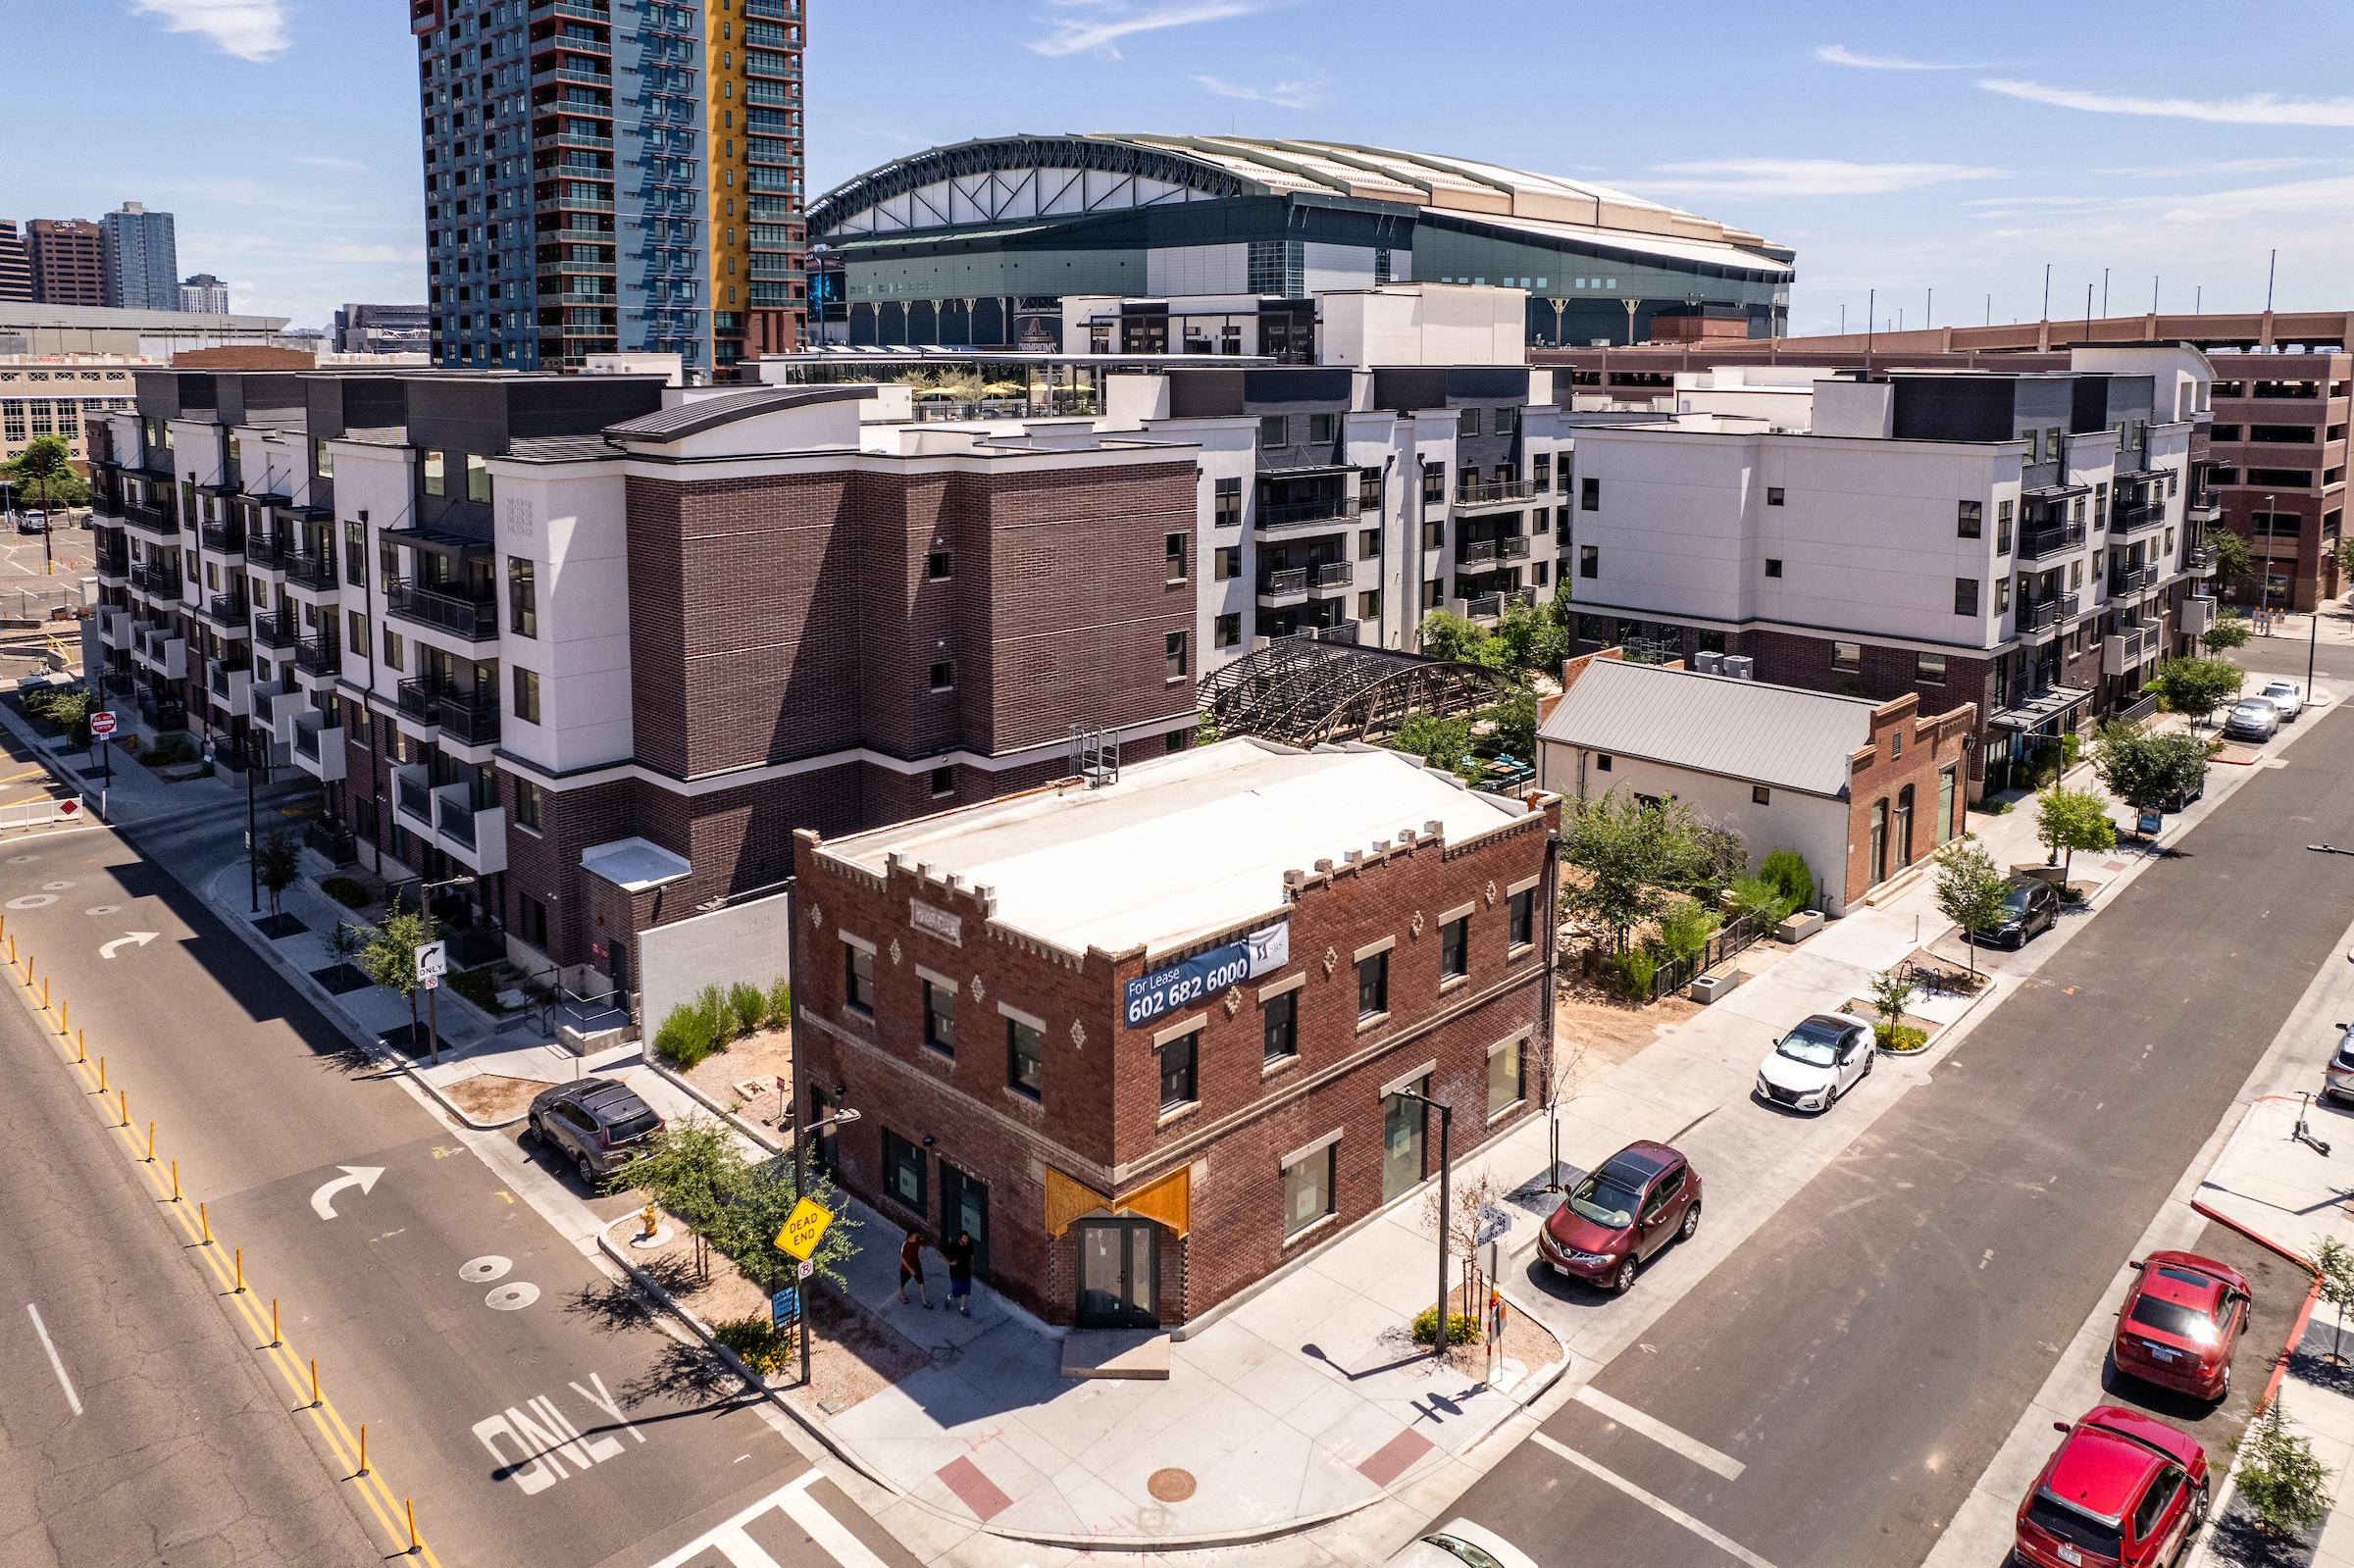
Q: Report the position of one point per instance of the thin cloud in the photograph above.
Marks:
(323, 162)
(1807, 176)
(1304, 94)
(2231, 166)
(1112, 23)
(1840, 55)
(2260, 109)
(251, 29)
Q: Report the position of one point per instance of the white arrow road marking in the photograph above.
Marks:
(137, 938)
(362, 1177)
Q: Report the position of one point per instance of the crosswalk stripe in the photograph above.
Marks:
(1661, 1433)
(731, 1541)
(1722, 1542)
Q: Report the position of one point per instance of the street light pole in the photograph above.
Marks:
(1437, 1349)
(432, 995)
(841, 1118)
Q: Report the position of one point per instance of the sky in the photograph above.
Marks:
(1933, 159)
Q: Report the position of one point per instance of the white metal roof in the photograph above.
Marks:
(1777, 736)
(1183, 846)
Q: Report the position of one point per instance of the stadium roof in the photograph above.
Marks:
(1009, 179)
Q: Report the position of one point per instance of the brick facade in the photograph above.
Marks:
(1906, 753)
(1099, 1120)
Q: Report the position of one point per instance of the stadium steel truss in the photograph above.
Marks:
(1305, 692)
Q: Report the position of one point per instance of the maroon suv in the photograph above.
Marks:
(2181, 1323)
(1627, 1207)
(2121, 1491)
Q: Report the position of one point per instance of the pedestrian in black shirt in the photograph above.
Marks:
(959, 1254)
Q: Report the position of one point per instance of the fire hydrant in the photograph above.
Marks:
(647, 1217)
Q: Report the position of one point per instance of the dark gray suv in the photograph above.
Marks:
(595, 1123)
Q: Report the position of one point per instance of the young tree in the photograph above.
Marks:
(1438, 742)
(1632, 855)
(1444, 635)
(1890, 990)
(389, 956)
(2198, 687)
(1515, 720)
(2333, 1271)
(1473, 1189)
(1529, 641)
(756, 1200)
(2148, 771)
(2069, 820)
(2277, 1473)
(2230, 630)
(277, 861)
(691, 1166)
(1970, 892)
(2234, 561)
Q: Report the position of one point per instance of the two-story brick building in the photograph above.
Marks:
(1146, 1040)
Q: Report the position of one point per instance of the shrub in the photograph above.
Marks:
(1685, 930)
(1635, 968)
(687, 1035)
(1761, 901)
(2070, 745)
(1899, 1037)
(2279, 1476)
(1461, 1327)
(479, 987)
(1787, 872)
(748, 1004)
(345, 891)
(757, 1343)
(779, 1003)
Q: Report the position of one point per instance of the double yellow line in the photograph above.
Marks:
(396, 1514)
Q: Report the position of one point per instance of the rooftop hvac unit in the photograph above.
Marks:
(1708, 663)
(1740, 666)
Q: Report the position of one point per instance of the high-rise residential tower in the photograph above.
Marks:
(612, 178)
(139, 259)
(63, 254)
(203, 294)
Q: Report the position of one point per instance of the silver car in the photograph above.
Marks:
(2337, 1079)
(2287, 696)
(2252, 719)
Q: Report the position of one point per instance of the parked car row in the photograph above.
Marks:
(2259, 715)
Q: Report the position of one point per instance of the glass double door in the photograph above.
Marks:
(1119, 1273)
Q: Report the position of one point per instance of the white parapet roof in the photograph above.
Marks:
(1183, 846)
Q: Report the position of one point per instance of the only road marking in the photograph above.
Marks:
(362, 1177)
(137, 938)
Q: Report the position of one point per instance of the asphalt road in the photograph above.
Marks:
(443, 1312)
(1860, 1360)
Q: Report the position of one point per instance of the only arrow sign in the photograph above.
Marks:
(137, 939)
(362, 1177)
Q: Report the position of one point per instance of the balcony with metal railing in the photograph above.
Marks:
(1331, 577)
(160, 522)
(232, 613)
(280, 632)
(320, 656)
(2041, 615)
(1509, 492)
(2131, 580)
(311, 569)
(1482, 552)
(115, 564)
(225, 537)
(1288, 586)
(415, 799)
(1329, 509)
(2199, 562)
(475, 619)
(2053, 538)
(2127, 648)
(2125, 522)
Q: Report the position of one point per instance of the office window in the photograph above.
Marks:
(1373, 984)
(1227, 631)
(1589, 561)
(359, 633)
(1454, 957)
(1434, 483)
(478, 479)
(1759, 795)
(904, 1172)
(2001, 528)
(355, 554)
(1308, 1190)
(1969, 515)
(940, 566)
(1172, 547)
(523, 598)
(1773, 567)
(1024, 1051)
(1280, 1025)
(943, 675)
(1323, 427)
(940, 1017)
(1522, 908)
(1966, 595)
(1368, 544)
(859, 971)
(1227, 508)
(531, 920)
(1540, 473)
(1928, 669)
(1368, 489)
(529, 801)
(1504, 1085)
(1173, 655)
(943, 781)
(1773, 495)
(2076, 574)
(527, 694)
(1848, 656)
(1507, 419)
(1274, 430)
(1177, 1064)
(1226, 563)
(322, 458)
(435, 479)
(1434, 533)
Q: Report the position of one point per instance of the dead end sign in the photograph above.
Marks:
(804, 1228)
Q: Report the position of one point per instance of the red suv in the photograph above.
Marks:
(1628, 1207)
(2121, 1491)
(2181, 1323)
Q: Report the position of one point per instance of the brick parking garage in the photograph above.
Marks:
(1146, 1039)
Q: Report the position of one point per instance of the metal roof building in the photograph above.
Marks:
(975, 243)
(1780, 737)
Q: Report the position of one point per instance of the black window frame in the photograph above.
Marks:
(1176, 662)
(903, 1155)
(1773, 495)
(1966, 595)
(1226, 630)
(523, 596)
(531, 803)
(940, 1021)
(1589, 494)
(1278, 426)
(1279, 1028)
(856, 984)
(1455, 949)
(940, 565)
(944, 780)
(1521, 914)
(527, 693)
(1033, 1088)
(1176, 551)
(1181, 1072)
(1969, 519)
(531, 920)
(1226, 503)
(1373, 984)
(941, 683)
(1589, 560)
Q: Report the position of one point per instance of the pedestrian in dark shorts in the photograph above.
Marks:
(959, 1254)
(911, 1266)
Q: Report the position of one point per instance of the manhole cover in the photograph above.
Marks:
(33, 902)
(483, 1270)
(1171, 1486)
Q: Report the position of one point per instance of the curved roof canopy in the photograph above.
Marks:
(1009, 179)
(1304, 692)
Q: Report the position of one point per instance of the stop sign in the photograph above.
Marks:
(102, 723)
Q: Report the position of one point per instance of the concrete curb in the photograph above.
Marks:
(767, 1140)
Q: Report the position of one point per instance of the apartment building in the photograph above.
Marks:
(605, 179)
(67, 256)
(2028, 543)
(58, 395)
(138, 259)
(2279, 472)
(1152, 1042)
(203, 294)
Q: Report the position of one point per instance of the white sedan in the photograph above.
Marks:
(1460, 1543)
(1816, 1063)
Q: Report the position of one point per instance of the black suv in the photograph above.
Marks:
(594, 1121)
